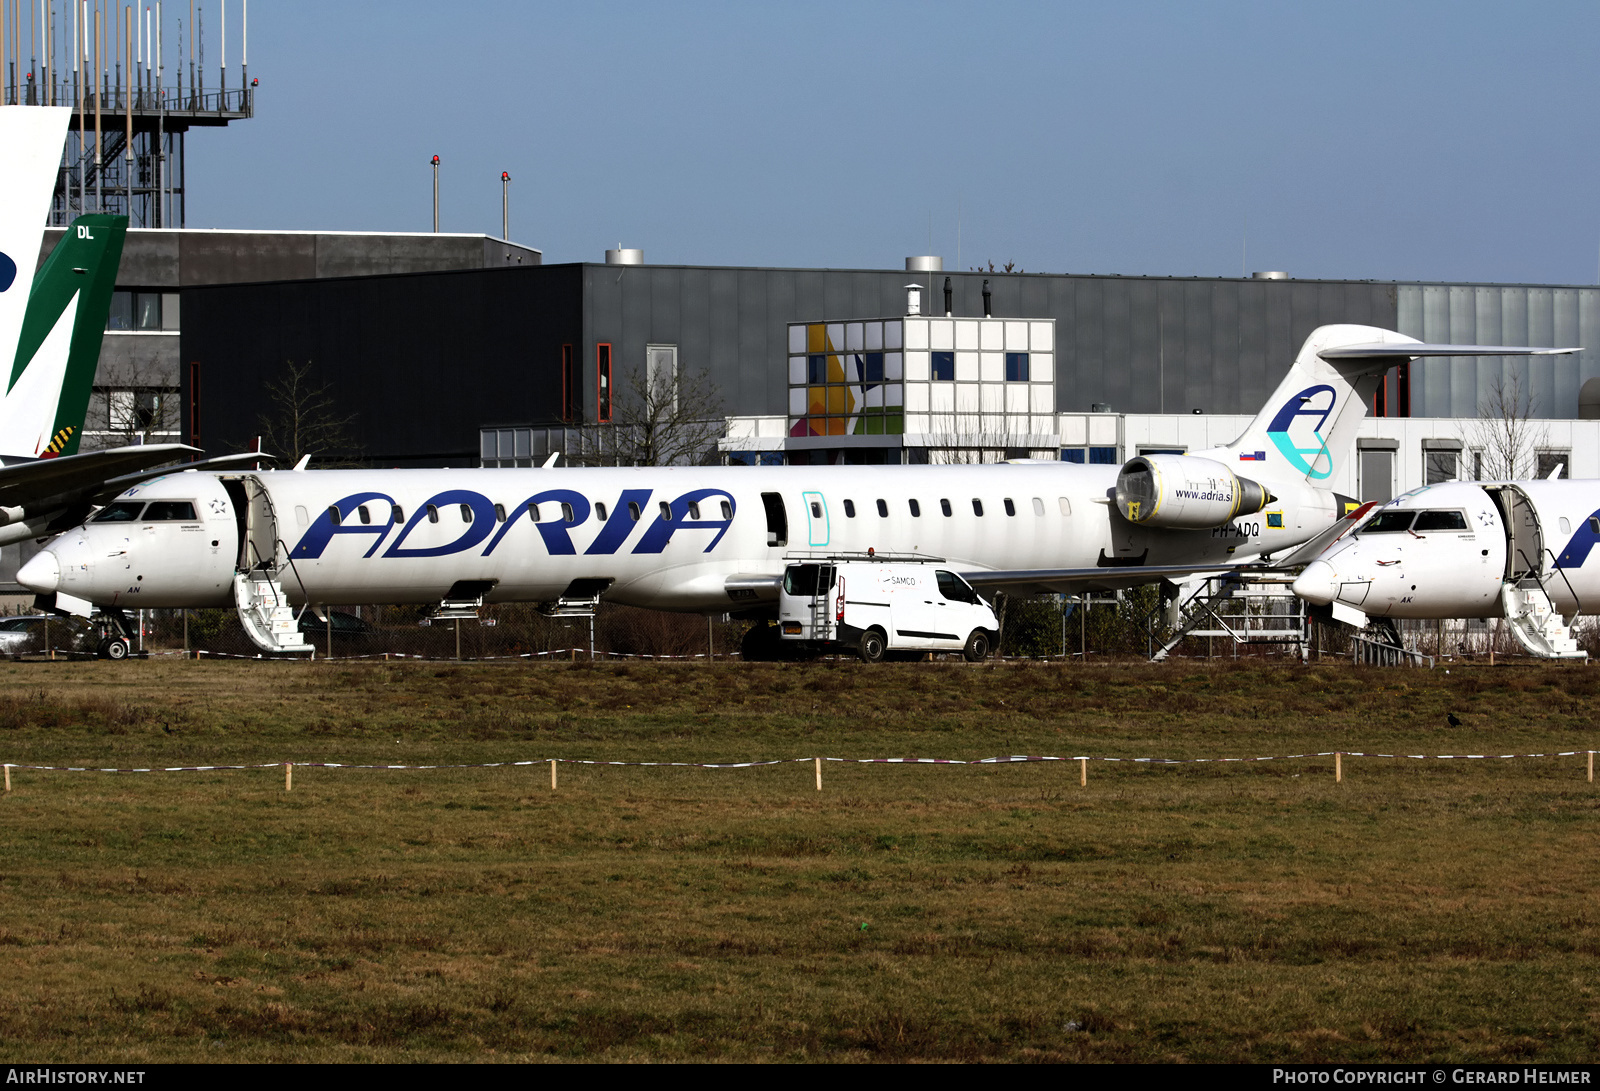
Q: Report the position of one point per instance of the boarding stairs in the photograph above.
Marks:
(1243, 609)
(1536, 623)
(264, 610)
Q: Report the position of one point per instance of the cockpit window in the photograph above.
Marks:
(122, 512)
(1441, 520)
(171, 511)
(1389, 522)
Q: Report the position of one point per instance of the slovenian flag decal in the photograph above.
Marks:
(1252, 456)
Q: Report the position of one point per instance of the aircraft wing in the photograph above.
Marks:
(116, 485)
(1306, 553)
(28, 483)
(1110, 577)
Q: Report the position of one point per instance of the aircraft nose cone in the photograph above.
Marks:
(1316, 584)
(42, 574)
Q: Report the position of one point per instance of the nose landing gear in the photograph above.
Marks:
(115, 642)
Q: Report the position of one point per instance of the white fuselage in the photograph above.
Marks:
(1411, 559)
(694, 539)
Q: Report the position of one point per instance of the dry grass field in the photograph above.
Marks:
(1253, 912)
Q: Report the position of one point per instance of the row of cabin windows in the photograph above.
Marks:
(397, 514)
(944, 506)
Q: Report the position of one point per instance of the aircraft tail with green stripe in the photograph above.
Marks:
(58, 347)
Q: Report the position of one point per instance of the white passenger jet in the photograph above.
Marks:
(716, 539)
(1519, 550)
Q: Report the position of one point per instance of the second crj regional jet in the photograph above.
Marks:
(717, 539)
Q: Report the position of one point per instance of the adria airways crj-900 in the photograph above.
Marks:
(716, 539)
(1519, 550)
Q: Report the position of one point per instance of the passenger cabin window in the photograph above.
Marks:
(849, 509)
(123, 512)
(944, 506)
(499, 513)
(433, 514)
(1446, 520)
(916, 509)
(816, 510)
(1066, 507)
(1594, 524)
(666, 512)
(727, 510)
(694, 509)
(333, 515)
(171, 511)
(600, 511)
(533, 512)
(633, 511)
(1390, 522)
(566, 513)
(466, 513)
(398, 514)
(977, 506)
(1038, 506)
(883, 509)
(366, 516)
(1011, 509)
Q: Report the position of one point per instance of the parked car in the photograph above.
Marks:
(26, 634)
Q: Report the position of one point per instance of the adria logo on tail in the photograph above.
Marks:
(8, 271)
(1281, 430)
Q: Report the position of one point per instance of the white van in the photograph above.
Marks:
(877, 607)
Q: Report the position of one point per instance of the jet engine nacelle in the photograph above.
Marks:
(1183, 492)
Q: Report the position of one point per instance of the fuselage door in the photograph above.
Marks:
(816, 517)
(1524, 538)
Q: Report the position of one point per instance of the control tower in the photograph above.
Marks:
(135, 78)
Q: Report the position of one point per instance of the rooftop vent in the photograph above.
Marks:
(927, 263)
(1274, 275)
(619, 256)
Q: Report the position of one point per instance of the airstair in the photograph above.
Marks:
(1245, 610)
(1536, 623)
(265, 612)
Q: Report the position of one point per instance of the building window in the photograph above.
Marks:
(944, 367)
(1550, 459)
(136, 310)
(571, 400)
(1073, 454)
(1439, 466)
(602, 380)
(1102, 456)
(1016, 367)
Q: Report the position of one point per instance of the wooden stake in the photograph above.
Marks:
(8, 772)
(1083, 772)
(819, 774)
(1591, 772)
(552, 774)
(288, 776)
(1338, 767)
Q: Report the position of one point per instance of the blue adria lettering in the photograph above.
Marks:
(564, 510)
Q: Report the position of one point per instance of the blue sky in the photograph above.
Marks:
(1453, 141)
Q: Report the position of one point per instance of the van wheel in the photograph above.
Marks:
(116, 648)
(872, 647)
(977, 649)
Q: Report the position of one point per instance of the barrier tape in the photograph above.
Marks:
(1006, 759)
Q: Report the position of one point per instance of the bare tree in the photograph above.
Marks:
(658, 419)
(1506, 431)
(968, 438)
(304, 419)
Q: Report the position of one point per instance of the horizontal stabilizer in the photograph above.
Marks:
(1120, 576)
(1411, 350)
(1308, 552)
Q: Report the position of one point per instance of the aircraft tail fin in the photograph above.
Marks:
(46, 393)
(1307, 429)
